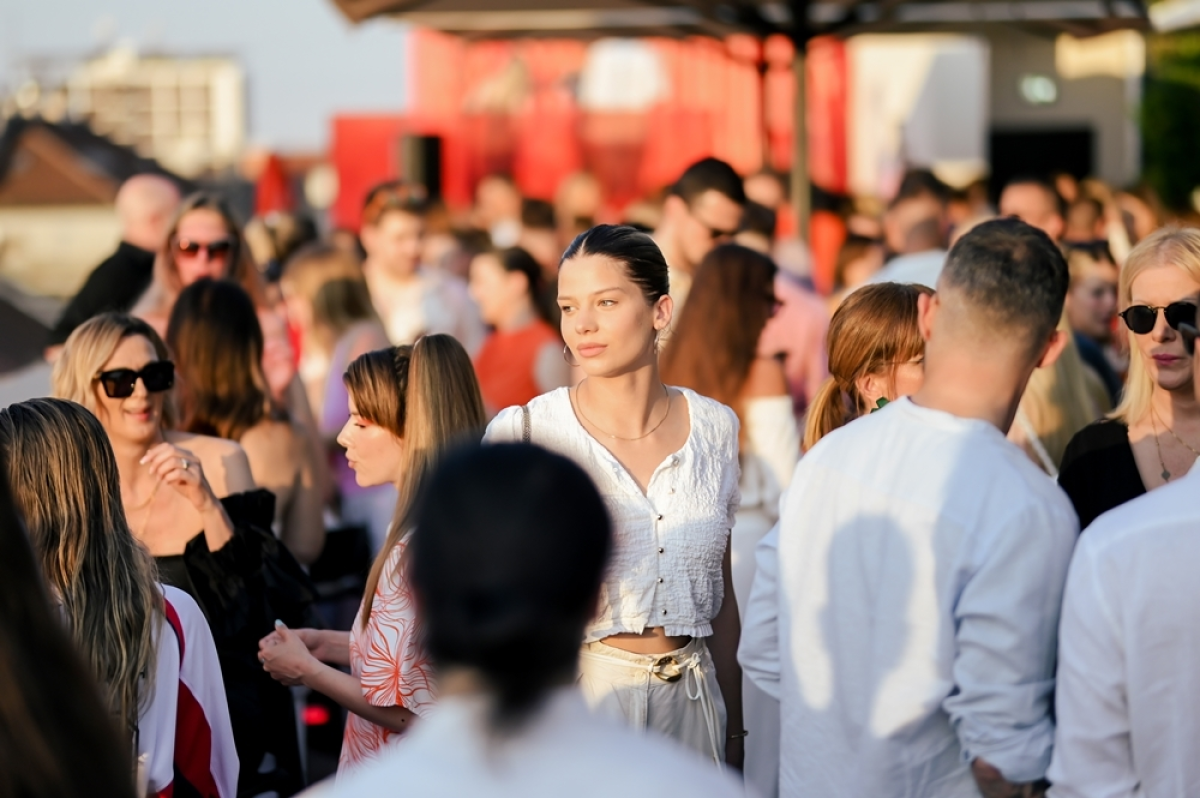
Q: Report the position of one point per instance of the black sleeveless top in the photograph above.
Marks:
(1098, 470)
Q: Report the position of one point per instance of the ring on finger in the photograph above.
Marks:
(184, 464)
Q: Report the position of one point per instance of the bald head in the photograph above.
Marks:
(145, 206)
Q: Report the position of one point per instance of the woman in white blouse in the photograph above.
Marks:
(666, 462)
(714, 349)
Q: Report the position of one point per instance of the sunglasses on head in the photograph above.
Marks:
(120, 383)
(1142, 318)
(213, 249)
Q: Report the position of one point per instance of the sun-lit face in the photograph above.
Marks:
(1034, 206)
(606, 320)
(211, 258)
(711, 219)
(136, 418)
(1162, 348)
(373, 452)
(396, 242)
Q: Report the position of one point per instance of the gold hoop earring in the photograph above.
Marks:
(569, 357)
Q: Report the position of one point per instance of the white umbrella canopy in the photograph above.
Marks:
(588, 19)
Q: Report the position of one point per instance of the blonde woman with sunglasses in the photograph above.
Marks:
(1153, 437)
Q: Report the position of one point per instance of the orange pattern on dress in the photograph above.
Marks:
(387, 658)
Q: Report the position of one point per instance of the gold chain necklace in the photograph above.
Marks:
(1182, 442)
(1166, 475)
(654, 429)
(141, 535)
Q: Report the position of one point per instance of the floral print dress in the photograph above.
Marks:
(387, 658)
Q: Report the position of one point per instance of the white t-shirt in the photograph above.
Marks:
(922, 268)
(1128, 675)
(564, 750)
(915, 600)
(670, 541)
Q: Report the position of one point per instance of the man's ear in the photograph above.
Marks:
(1054, 348)
(927, 310)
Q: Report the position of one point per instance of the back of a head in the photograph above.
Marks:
(1009, 280)
(510, 547)
(218, 345)
(145, 204)
(56, 738)
(65, 483)
(330, 280)
(709, 174)
(715, 339)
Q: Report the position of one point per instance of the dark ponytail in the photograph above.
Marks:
(510, 547)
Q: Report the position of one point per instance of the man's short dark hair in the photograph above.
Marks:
(922, 183)
(537, 214)
(758, 219)
(1013, 274)
(1056, 200)
(709, 174)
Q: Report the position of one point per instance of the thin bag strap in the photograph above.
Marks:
(526, 429)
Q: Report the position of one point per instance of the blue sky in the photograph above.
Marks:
(303, 60)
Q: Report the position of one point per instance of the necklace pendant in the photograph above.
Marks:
(1166, 475)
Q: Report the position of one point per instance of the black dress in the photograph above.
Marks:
(242, 588)
(1098, 470)
(114, 285)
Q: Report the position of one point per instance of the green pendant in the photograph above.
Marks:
(1166, 475)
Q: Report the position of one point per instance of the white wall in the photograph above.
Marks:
(49, 251)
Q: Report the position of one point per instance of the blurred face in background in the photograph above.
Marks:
(498, 292)
(711, 219)
(395, 243)
(1092, 299)
(1034, 205)
(203, 246)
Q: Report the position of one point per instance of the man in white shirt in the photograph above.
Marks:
(1128, 676)
(909, 623)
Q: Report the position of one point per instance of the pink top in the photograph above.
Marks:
(387, 658)
(798, 331)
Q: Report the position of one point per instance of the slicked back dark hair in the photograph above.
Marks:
(642, 258)
(709, 174)
(1012, 274)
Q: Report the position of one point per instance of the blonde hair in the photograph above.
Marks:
(1177, 246)
(89, 348)
(426, 395)
(65, 482)
(331, 281)
(874, 329)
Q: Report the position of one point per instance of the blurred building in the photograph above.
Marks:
(189, 114)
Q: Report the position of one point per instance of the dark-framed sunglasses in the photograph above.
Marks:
(120, 383)
(213, 249)
(1141, 319)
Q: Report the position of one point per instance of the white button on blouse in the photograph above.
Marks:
(670, 540)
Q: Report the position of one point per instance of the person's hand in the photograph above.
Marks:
(735, 752)
(181, 469)
(315, 640)
(992, 784)
(285, 656)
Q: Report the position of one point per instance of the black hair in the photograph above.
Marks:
(709, 174)
(1013, 273)
(509, 549)
(1060, 206)
(759, 219)
(516, 259)
(922, 182)
(642, 258)
(537, 214)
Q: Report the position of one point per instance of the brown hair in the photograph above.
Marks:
(716, 340)
(239, 264)
(218, 343)
(65, 482)
(56, 737)
(89, 348)
(394, 195)
(426, 395)
(331, 281)
(872, 331)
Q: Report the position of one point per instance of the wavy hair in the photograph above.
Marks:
(65, 483)
(426, 395)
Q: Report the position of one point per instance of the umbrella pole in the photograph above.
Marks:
(801, 187)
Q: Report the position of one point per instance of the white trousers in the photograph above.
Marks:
(674, 694)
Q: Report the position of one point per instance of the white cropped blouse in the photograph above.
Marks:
(669, 541)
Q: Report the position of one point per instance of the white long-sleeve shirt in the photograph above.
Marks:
(921, 565)
(1129, 652)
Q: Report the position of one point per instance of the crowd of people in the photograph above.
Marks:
(644, 509)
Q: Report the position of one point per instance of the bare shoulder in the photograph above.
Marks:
(225, 463)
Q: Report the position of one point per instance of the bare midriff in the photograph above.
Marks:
(652, 641)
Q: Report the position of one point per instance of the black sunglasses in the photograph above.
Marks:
(213, 249)
(1142, 318)
(120, 383)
